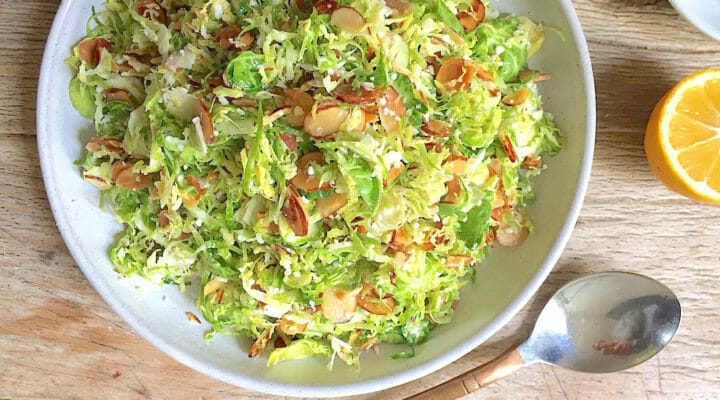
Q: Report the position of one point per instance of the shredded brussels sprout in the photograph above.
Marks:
(331, 173)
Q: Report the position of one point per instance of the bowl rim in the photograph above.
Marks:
(683, 7)
(354, 388)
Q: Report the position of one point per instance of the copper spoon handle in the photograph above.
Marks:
(496, 369)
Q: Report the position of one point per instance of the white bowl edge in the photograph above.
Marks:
(367, 386)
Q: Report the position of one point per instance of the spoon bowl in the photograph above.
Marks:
(600, 323)
(605, 322)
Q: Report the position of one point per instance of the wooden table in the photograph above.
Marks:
(58, 339)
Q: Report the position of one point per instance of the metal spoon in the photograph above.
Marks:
(600, 323)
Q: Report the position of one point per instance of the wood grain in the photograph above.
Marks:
(58, 339)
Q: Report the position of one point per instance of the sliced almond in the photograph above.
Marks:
(458, 261)
(290, 141)
(228, 38)
(479, 10)
(453, 191)
(301, 104)
(391, 109)
(192, 200)
(261, 343)
(214, 285)
(362, 96)
(467, 20)
(206, 123)
(437, 128)
(303, 179)
(325, 6)
(163, 218)
(294, 213)
(290, 327)
(89, 50)
(457, 165)
(450, 73)
(511, 236)
(326, 121)
(338, 305)
(120, 95)
(399, 7)
(328, 206)
(151, 9)
(531, 162)
(399, 240)
(517, 98)
(126, 179)
(369, 300)
(244, 102)
(99, 143)
(276, 114)
(394, 171)
(509, 148)
(348, 19)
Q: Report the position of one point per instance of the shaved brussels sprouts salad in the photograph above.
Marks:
(331, 173)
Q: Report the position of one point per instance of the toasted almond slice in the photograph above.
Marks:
(450, 73)
(290, 327)
(276, 114)
(457, 165)
(347, 94)
(294, 213)
(328, 206)
(348, 19)
(391, 109)
(119, 95)
(509, 148)
(517, 98)
(399, 7)
(224, 35)
(192, 318)
(206, 123)
(479, 10)
(151, 9)
(458, 261)
(214, 285)
(99, 143)
(338, 305)
(126, 179)
(369, 300)
(192, 200)
(228, 38)
(261, 343)
(163, 218)
(326, 121)
(453, 191)
(303, 179)
(437, 128)
(399, 240)
(467, 20)
(89, 50)
(97, 181)
(244, 102)
(290, 141)
(531, 162)
(301, 104)
(511, 236)
(325, 6)
(394, 171)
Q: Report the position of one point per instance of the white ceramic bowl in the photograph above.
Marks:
(505, 282)
(704, 14)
